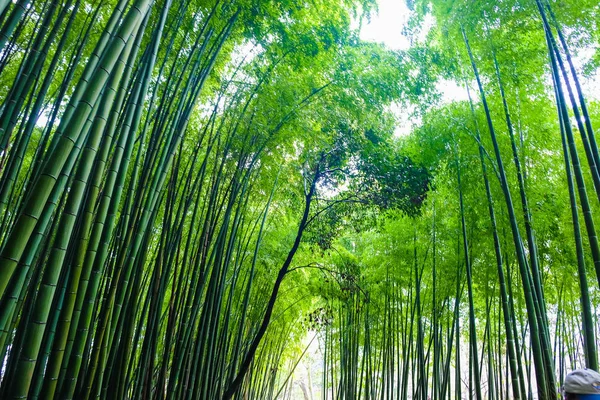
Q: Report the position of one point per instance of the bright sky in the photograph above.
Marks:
(386, 27)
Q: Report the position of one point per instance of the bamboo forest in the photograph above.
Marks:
(259, 199)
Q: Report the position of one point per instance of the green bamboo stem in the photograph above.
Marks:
(53, 269)
(75, 270)
(474, 361)
(557, 65)
(590, 152)
(25, 224)
(518, 384)
(541, 372)
(589, 342)
(16, 160)
(582, 103)
(9, 25)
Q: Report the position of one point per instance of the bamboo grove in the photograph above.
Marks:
(201, 199)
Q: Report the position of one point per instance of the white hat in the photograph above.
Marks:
(582, 381)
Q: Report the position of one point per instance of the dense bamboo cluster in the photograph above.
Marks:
(141, 148)
(131, 217)
(435, 319)
(197, 196)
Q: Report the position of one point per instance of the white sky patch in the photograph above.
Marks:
(406, 120)
(590, 84)
(244, 52)
(42, 120)
(451, 91)
(386, 25)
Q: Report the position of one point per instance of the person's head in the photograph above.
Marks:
(582, 384)
(579, 396)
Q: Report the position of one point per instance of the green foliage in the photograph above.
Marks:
(205, 173)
